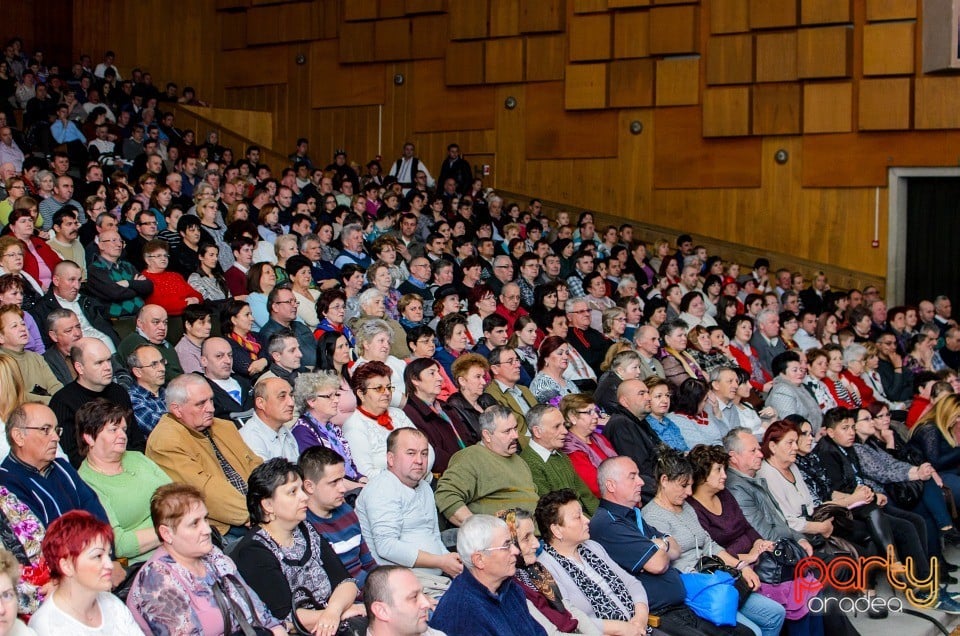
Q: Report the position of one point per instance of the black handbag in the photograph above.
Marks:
(232, 612)
(779, 565)
(711, 564)
(353, 626)
(906, 494)
(842, 517)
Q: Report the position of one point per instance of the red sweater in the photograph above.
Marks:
(46, 252)
(171, 292)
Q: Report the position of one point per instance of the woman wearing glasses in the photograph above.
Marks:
(585, 447)
(367, 429)
(170, 290)
(16, 188)
(318, 398)
(553, 362)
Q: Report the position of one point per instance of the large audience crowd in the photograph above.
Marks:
(339, 399)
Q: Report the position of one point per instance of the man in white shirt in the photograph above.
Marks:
(396, 603)
(65, 293)
(804, 337)
(406, 167)
(9, 150)
(398, 515)
(265, 432)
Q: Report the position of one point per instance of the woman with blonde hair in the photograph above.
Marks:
(284, 247)
(935, 436)
(10, 625)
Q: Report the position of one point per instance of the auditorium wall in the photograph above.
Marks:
(718, 87)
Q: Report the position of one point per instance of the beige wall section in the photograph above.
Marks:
(719, 87)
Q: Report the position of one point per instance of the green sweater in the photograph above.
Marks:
(485, 482)
(126, 498)
(134, 340)
(556, 474)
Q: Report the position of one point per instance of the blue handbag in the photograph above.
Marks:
(712, 597)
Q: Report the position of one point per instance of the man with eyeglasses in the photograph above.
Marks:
(147, 395)
(92, 361)
(282, 307)
(589, 343)
(550, 468)
(147, 230)
(502, 273)
(151, 328)
(506, 388)
(48, 485)
(115, 281)
(418, 283)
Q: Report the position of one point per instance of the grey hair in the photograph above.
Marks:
(488, 419)
(475, 535)
(56, 315)
(624, 358)
(607, 469)
(179, 387)
(731, 441)
(282, 240)
(765, 314)
(369, 295)
(133, 358)
(714, 374)
(275, 344)
(853, 352)
(349, 229)
(370, 328)
(307, 238)
(627, 278)
(308, 384)
(536, 413)
(609, 315)
(573, 302)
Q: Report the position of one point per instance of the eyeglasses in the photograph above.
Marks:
(503, 266)
(148, 223)
(45, 430)
(158, 256)
(156, 364)
(388, 388)
(866, 419)
(579, 311)
(588, 412)
(292, 301)
(328, 395)
(13, 255)
(510, 361)
(506, 546)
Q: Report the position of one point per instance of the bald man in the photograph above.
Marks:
(92, 361)
(152, 329)
(232, 394)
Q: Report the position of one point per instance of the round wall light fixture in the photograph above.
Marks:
(781, 156)
(510, 103)
(399, 79)
(636, 127)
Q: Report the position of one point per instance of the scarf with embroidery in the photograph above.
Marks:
(605, 607)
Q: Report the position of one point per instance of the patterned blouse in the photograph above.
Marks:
(309, 433)
(28, 531)
(815, 477)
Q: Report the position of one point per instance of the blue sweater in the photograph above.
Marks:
(50, 496)
(470, 608)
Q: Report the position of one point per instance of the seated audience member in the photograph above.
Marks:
(196, 329)
(236, 274)
(398, 516)
(921, 403)
(488, 476)
(152, 329)
(372, 307)
(494, 329)
(452, 336)
(678, 363)
(265, 433)
(506, 388)
(422, 341)
(688, 409)
(445, 432)
(147, 394)
(671, 513)
(583, 444)
(387, 596)
(11, 259)
(9, 577)
(71, 542)
(318, 397)
(47, 484)
(64, 239)
(282, 306)
(630, 432)
(91, 360)
(193, 447)
(170, 290)
(183, 570)
(366, 430)
(470, 374)
(331, 309)
(63, 330)
(232, 394)
(114, 281)
(588, 342)
(586, 575)
(64, 293)
(934, 437)
(624, 366)
(325, 483)
(120, 477)
(38, 380)
(897, 382)
(550, 468)
(283, 351)
(374, 338)
(236, 325)
(647, 343)
(644, 551)
(185, 256)
(11, 293)
(288, 563)
(489, 556)
(788, 396)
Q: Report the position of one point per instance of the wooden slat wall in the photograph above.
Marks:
(719, 87)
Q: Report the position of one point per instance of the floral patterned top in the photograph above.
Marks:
(29, 531)
(168, 599)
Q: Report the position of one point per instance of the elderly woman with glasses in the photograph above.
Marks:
(374, 343)
(318, 398)
(367, 429)
(373, 307)
(584, 445)
(170, 290)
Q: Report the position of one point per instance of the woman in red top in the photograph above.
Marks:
(38, 258)
(170, 291)
(585, 447)
(745, 355)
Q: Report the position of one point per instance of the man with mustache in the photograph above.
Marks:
(489, 476)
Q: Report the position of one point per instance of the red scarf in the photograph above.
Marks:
(248, 343)
(383, 420)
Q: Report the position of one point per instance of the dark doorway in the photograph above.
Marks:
(933, 228)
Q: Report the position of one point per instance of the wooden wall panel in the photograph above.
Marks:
(631, 34)
(464, 63)
(413, 7)
(462, 108)
(768, 14)
(627, 4)
(392, 9)
(884, 104)
(777, 109)
(631, 83)
(279, 23)
(937, 102)
(824, 52)
(828, 107)
(726, 111)
(503, 60)
(891, 10)
(585, 86)
(392, 40)
(825, 11)
(674, 30)
(359, 10)
(547, 133)
(678, 81)
(504, 18)
(429, 36)
(356, 84)
(888, 48)
(468, 20)
(729, 16)
(591, 37)
(540, 16)
(356, 42)
(776, 57)
(233, 25)
(730, 59)
(545, 57)
(684, 159)
(589, 6)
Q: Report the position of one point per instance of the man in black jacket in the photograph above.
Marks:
(64, 293)
(630, 433)
(232, 394)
